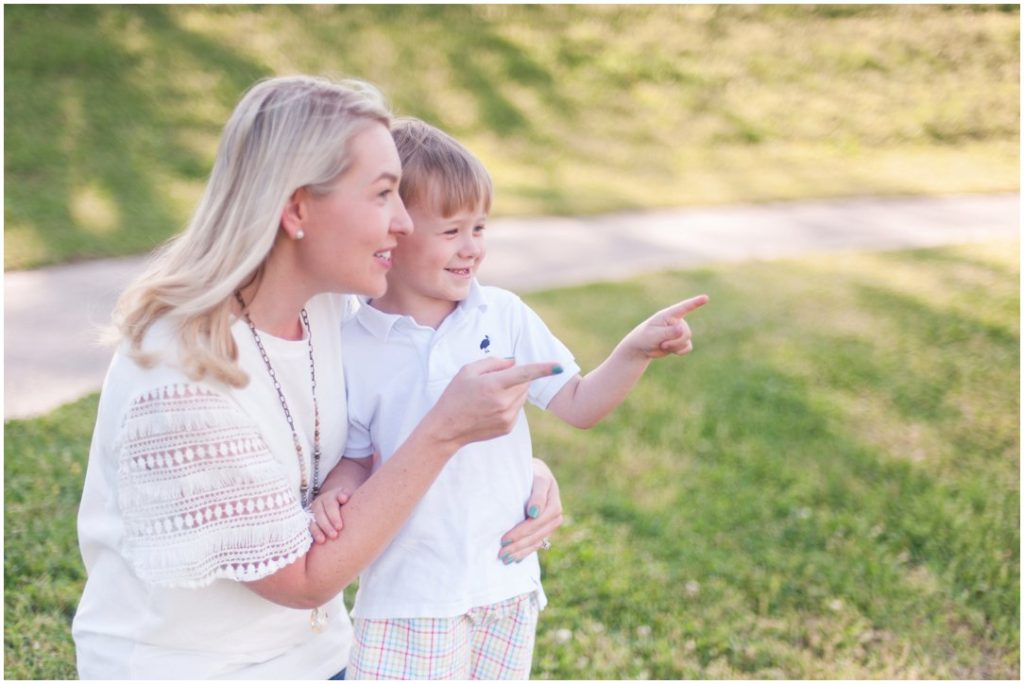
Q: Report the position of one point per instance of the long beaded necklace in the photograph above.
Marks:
(307, 493)
(318, 618)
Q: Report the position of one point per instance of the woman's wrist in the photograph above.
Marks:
(437, 435)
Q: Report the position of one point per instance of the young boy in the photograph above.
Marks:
(443, 601)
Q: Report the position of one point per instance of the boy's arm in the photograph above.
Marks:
(344, 478)
(350, 472)
(584, 401)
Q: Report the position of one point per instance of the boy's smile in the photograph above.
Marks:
(434, 266)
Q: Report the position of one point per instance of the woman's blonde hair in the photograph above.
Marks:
(438, 171)
(286, 133)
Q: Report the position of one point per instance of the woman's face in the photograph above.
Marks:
(350, 231)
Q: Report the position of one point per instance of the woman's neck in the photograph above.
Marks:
(274, 302)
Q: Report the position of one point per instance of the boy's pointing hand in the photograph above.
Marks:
(667, 331)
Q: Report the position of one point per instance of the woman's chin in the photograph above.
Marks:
(369, 286)
(376, 289)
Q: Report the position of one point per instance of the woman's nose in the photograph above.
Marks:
(401, 222)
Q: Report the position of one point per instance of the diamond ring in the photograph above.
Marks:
(545, 543)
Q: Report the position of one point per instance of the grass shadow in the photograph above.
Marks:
(104, 187)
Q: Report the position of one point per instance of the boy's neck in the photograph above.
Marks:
(424, 310)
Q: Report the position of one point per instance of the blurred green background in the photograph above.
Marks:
(112, 113)
(828, 488)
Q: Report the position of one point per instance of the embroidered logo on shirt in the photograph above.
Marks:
(485, 344)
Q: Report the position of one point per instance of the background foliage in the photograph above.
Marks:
(113, 112)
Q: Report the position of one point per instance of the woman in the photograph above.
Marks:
(224, 407)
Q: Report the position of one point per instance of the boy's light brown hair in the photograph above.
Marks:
(437, 171)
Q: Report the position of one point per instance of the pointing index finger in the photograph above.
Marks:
(686, 306)
(527, 372)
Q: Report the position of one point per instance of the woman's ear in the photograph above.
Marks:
(293, 216)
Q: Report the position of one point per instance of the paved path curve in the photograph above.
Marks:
(53, 315)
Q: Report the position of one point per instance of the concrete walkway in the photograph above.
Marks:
(53, 316)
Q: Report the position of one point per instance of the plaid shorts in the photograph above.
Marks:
(489, 642)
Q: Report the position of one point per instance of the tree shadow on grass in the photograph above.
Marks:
(101, 153)
(94, 122)
(465, 43)
(484, 62)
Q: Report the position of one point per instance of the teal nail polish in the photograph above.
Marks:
(506, 542)
(557, 370)
(507, 558)
(533, 512)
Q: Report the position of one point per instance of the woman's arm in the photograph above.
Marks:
(481, 402)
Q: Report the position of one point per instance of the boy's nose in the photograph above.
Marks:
(470, 247)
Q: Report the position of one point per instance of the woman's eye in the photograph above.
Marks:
(453, 232)
(384, 194)
(479, 229)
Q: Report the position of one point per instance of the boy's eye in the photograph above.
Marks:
(452, 231)
(479, 229)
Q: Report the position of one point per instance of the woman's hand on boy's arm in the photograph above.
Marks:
(338, 486)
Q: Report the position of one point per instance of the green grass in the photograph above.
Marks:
(827, 488)
(44, 467)
(113, 113)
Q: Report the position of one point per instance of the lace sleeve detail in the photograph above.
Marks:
(201, 495)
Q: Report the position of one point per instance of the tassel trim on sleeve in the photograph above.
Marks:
(201, 495)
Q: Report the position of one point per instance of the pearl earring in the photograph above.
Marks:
(299, 234)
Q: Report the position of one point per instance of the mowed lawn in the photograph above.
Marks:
(828, 487)
(112, 113)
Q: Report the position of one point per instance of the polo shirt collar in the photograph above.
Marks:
(475, 299)
(380, 324)
(376, 322)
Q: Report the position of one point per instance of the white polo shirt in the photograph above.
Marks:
(445, 559)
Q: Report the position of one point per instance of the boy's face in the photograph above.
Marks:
(438, 261)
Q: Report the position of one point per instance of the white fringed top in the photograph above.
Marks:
(193, 488)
